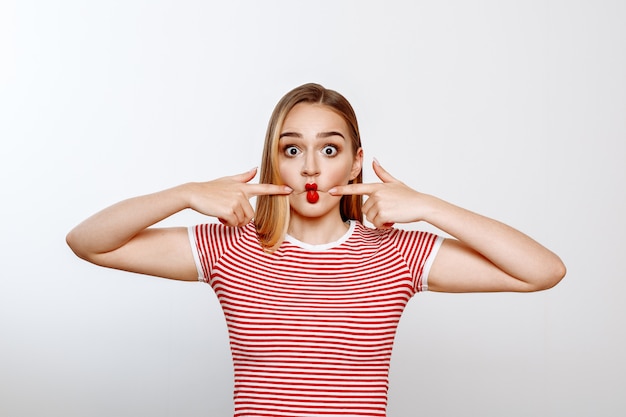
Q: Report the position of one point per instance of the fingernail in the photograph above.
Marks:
(288, 189)
(376, 161)
(253, 169)
(332, 190)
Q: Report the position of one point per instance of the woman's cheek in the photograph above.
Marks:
(285, 175)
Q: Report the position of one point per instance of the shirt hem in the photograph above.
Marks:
(194, 251)
(429, 262)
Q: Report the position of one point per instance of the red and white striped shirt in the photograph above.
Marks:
(311, 327)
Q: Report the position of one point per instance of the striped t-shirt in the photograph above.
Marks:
(311, 327)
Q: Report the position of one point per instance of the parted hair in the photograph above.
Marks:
(272, 212)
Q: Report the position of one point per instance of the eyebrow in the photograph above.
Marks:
(320, 135)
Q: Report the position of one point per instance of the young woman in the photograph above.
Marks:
(312, 297)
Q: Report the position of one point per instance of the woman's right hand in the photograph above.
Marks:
(122, 237)
(228, 198)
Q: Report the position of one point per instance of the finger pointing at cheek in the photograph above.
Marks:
(353, 189)
(267, 189)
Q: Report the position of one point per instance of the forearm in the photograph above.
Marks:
(511, 251)
(486, 256)
(114, 226)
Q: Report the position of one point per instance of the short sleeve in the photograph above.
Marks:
(208, 243)
(419, 250)
(193, 242)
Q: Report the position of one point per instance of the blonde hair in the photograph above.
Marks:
(272, 212)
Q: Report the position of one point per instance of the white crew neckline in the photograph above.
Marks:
(323, 246)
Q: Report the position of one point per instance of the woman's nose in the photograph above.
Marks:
(310, 167)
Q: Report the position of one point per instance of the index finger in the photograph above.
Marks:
(267, 189)
(353, 189)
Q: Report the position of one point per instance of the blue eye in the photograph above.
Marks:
(330, 150)
(291, 150)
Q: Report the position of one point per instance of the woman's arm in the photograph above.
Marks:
(485, 256)
(120, 236)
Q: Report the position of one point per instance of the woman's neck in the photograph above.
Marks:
(318, 230)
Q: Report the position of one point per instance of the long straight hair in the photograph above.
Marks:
(272, 212)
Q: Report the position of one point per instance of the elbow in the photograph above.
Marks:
(73, 241)
(70, 240)
(553, 274)
(557, 273)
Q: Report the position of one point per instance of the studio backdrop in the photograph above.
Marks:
(513, 109)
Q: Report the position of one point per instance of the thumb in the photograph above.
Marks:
(245, 176)
(382, 173)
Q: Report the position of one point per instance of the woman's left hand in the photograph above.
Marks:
(485, 255)
(388, 202)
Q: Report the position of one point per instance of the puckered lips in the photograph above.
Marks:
(311, 193)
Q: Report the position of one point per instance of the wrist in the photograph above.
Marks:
(434, 209)
(183, 194)
(174, 199)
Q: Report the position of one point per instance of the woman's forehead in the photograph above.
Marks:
(313, 117)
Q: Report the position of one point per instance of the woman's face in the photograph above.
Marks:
(315, 148)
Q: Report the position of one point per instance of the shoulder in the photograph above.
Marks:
(400, 238)
(370, 233)
(211, 241)
(218, 228)
(217, 233)
(367, 235)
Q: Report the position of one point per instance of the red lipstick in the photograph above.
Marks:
(311, 193)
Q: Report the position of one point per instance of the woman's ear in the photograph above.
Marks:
(357, 164)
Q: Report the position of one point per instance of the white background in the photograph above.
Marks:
(514, 109)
